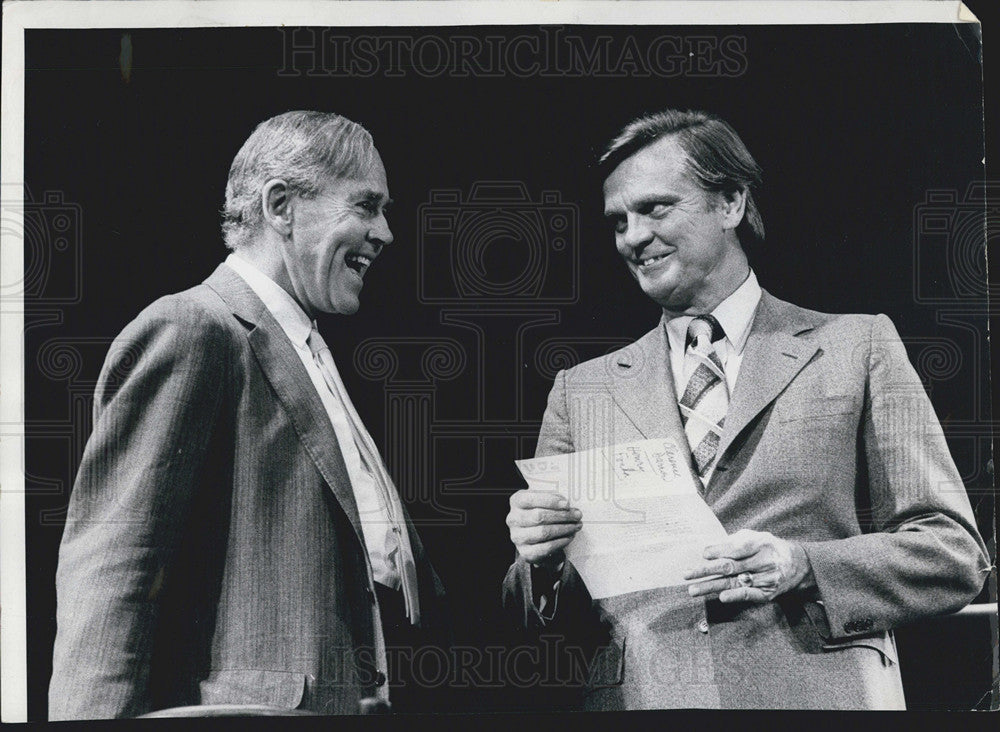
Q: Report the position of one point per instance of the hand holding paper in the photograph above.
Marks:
(541, 525)
(644, 520)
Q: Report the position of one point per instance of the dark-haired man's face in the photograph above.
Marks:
(677, 239)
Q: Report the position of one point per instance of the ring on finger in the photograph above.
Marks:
(744, 579)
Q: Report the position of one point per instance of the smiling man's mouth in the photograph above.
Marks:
(358, 262)
(649, 261)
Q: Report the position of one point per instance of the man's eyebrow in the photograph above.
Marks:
(373, 195)
(641, 201)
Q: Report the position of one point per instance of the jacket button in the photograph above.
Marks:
(379, 679)
(702, 625)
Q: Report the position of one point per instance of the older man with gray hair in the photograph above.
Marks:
(233, 536)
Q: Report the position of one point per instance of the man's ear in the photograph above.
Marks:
(276, 201)
(733, 205)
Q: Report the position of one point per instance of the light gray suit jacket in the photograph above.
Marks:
(212, 551)
(830, 440)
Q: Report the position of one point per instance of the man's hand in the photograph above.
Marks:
(541, 525)
(755, 566)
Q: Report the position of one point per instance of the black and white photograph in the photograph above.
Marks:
(481, 358)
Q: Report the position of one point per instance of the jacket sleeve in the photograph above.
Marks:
(572, 609)
(923, 554)
(155, 405)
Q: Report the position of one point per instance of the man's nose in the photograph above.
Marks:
(380, 233)
(637, 232)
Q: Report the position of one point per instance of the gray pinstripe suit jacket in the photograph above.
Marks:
(212, 552)
(830, 440)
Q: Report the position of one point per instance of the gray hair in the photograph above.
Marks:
(716, 156)
(305, 149)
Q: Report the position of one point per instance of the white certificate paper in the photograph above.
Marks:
(644, 520)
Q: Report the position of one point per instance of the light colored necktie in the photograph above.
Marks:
(706, 396)
(403, 553)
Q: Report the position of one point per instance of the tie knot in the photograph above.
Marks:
(704, 328)
(316, 342)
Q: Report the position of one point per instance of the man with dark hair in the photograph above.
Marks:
(811, 438)
(233, 536)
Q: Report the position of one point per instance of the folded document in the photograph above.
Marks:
(644, 520)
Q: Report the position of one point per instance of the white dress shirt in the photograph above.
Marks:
(376, 524)
(735, 315)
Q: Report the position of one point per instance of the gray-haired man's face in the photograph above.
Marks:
(335, 237)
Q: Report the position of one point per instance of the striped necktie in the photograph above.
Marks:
(706, 396)
(372, 461)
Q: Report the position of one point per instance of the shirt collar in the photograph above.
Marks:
(292, 318)
(735, 315)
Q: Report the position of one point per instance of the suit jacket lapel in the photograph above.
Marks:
(642, 385)
(284, 370)
(774, 355)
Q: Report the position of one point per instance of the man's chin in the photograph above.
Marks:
(339, 305)
(658, 293)
(660, 280)
(346, 306)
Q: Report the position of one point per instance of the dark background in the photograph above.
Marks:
(853, 126)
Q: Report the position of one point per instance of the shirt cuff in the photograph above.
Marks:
(545, 589)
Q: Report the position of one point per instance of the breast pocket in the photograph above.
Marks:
(811, 438)
(820, 412)
(283, 689)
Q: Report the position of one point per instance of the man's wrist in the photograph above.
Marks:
(806, 580)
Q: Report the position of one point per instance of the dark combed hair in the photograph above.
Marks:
(716, 156)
